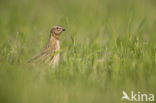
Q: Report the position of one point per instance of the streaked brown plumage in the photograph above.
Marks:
(50, 53)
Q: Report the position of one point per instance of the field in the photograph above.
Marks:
(109, 46)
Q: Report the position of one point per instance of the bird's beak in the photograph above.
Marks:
(63, 29)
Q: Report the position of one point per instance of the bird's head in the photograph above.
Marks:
(57, 30)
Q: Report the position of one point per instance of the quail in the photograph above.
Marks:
(50, 53)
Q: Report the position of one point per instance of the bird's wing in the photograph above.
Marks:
(45, 52)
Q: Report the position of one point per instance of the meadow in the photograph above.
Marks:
(109, 46)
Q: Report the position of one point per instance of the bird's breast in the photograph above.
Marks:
(55, 59)
(57, 45)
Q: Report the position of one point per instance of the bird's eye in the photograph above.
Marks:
(57, 27)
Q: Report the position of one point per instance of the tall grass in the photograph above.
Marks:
(109, 46)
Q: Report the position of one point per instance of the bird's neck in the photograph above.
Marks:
(53, 42)
(56, 36)
(53, 39)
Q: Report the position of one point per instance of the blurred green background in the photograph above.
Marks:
(109, 46)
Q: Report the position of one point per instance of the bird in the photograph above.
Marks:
(50, 54)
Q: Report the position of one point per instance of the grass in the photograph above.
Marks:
(109, 46)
